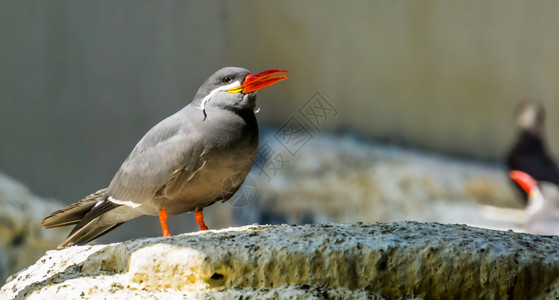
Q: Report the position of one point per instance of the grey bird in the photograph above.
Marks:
(192, 159)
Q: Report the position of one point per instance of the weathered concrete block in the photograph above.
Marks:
(376, 261)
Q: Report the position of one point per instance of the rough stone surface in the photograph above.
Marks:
(377, 261)
(22, 239)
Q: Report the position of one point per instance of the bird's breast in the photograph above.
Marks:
(226, 160)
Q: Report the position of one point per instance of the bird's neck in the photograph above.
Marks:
(531, 139)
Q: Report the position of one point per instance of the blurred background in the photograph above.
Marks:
(402, 109)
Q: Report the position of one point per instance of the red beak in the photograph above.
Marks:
(526, 182)
(255, 82)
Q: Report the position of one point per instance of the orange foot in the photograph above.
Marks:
(200, 219)
(163, 221)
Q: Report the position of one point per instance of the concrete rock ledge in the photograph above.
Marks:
(22, 238)
(377, 182)
(375, 261)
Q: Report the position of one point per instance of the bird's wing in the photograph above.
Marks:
(165, 153)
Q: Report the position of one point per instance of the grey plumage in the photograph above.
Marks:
(73, 213)
(195, 157)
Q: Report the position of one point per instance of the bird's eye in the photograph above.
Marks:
(226, 79)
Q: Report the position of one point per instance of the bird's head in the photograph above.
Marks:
(530, 117)
(234, 88)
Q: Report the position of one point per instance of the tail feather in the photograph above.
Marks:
(87, 233)
(92, 216)
(92, 225)
(73, 213)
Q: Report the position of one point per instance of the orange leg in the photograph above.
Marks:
(200, 219)
(163, 221)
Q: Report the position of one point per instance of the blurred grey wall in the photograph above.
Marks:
(81, 82)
